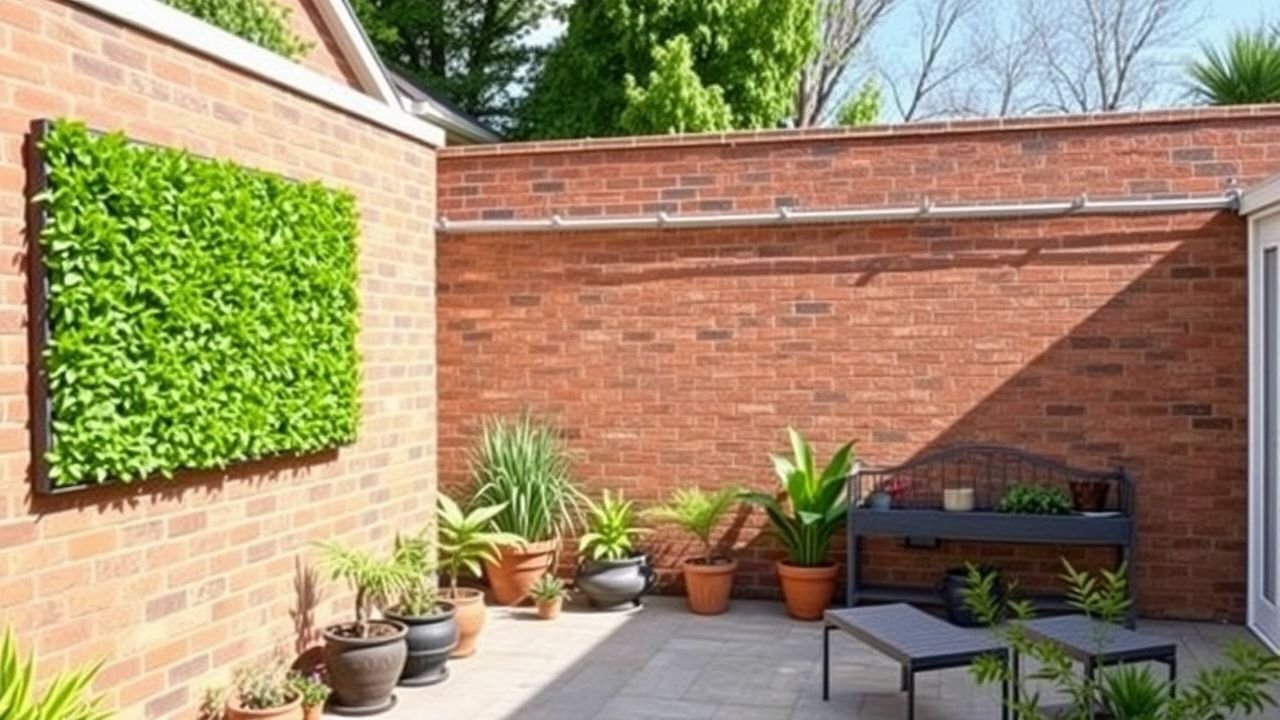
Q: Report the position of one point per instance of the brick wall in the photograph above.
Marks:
(174, 582)
(678, 357)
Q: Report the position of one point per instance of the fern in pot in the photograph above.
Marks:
(522, 466)
(708, 577)
(433, 630)
(610, 573)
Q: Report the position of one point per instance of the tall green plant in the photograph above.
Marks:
(815, 502)
(67, 697)
(466, 542)
(697, 512)
(611, 526)
(522, 467)
(1246, 71)
(376, 580)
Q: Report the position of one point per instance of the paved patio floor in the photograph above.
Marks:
(661, 662)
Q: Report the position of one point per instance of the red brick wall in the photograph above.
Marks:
(174, 582)
(678, 357)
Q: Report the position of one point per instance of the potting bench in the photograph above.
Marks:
(917, 516)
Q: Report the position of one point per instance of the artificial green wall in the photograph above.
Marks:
(199, 313)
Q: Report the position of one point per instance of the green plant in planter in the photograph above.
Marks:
(1036, 500)
(466, 542)
(263, 686)
(549, 588)
(522, 467)
(815, 502)
(697, 512)
(311, 687)
(421, 596)
(376, 581)
(67, 696)
(610, 528)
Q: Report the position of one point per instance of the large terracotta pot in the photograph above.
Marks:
(807, 591)
(469, 614)
(292, 711)
(708, 585)
(363, 671)
(431, 638)
(518, 568)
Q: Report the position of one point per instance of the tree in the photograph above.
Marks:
(863, 107)
(474, 52)
(750, 50)
(1246, 71)
(675, 101)
(936, 62)
(843, 29)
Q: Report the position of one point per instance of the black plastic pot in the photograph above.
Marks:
(615, 584)
(430, 640)
(954, 582)
(363, 671)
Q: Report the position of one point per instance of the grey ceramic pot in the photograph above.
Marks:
(615, 584)
(430, 640)
(363, 671)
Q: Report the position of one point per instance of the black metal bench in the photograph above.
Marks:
(916, 640)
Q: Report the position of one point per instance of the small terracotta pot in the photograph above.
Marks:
(1090, 495)
(470, 614)
(315, 712)
(518, 568)
(549, 609)
(284, 712)
(708, 585)
(807, 590)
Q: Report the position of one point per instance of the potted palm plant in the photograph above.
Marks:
(364, 657)
(433, 631)
(548, 595)
(708, 578)
(466, 543)
(610, 573)
(522, 466)
(812, 509)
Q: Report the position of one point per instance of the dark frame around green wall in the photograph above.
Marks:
(40, 330)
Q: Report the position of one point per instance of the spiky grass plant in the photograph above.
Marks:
(1246, 71)
(698, 513)
(523, 466)
(67, 696)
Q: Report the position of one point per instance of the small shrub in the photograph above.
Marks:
(261, 22)
(698, 513)
(1036, 500)
(376, 580)
(311, 687)
(263, 686)
(466, 542)
(610, 528)
(548, 588)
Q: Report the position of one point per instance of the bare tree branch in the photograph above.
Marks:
(936, 22)
(845, 26)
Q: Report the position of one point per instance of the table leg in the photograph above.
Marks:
(903, 684)
(1017, 677)
(1173, 676)
(911, 693)
(826, 662)
(1004, 686)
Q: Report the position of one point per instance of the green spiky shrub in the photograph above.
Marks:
(611, 528)
(66, 697)
(261, 22)
(200, 313)
(1246, 71)
(698, 513)
(522, 466)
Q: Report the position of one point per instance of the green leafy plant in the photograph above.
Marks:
(66, 697)
(815, 503)
(697, 512)
(263, 686)
(522, 465)
(1133, 693)
(311, 687)
(200, 313)
(611, 525)
(261, 22)
(548, 588)
(420, 596)
(466, 542)
(1036, 500)
(1246, 71)
(376, 580)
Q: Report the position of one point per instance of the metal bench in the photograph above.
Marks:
(917, 640)
(1094, 643)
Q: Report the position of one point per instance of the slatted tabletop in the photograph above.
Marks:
(1084, 638)
(912, 637)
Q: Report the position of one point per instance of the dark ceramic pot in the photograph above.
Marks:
(363, 671)
(615, 584)
(952, 589)
(430, 640)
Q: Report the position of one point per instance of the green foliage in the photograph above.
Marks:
(311, 687)
(1133, 693)
(466, 541)
(696, 58)
(263, 686)
(548, 588)
(377, 581)
(522, 466)
(261, 22)
(1036, 500)
(863, 107)
(1246, 71)
(67, 696)
(698, 513)
(817, 501)
(421, 596)
(201, 313)
(611, 524)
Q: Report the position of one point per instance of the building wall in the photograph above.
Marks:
(173, 583)
(677, 357)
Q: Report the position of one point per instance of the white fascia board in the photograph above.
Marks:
(342, 22)
(450, 120)
(1265, 196)
(194, 34)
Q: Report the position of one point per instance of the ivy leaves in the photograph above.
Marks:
(201, 313)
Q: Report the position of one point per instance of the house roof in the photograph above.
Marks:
(460, 126)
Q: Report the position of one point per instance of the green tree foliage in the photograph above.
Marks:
(1246, 71)
(745, 55)
(200, 313)
(474, 52)
(863, 107)
(261, 22)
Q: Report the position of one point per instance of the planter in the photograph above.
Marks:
(708, 585)
(615, 584)
(315, 712)
(518, 568)
(807, 591)
(284, 712)
(1090, 495)
(954, 583)
(880, 501)
(957, 499)
(469, 613)
(549, 609)
(430, 640)
(363, 671)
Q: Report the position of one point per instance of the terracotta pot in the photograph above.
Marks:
(292, 711)
(708, 585)
(518, 568)
(1090, 495)
(363, 670)
(549, 609)
(315, 712)
(470, 614)
(807, 590)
